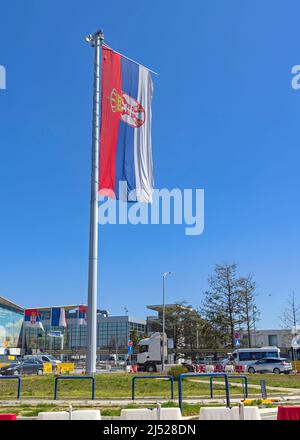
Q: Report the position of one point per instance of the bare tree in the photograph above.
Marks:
(290, 316)
(248, 309)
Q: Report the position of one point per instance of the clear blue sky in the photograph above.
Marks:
(225, 119)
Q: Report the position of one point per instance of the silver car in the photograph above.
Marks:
(271, 365)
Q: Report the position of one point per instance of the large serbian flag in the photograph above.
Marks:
(82, 315)
(125, 141)
(58, 317)
(32, 319)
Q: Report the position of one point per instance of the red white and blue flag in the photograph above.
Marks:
(82, 315)
(125, 141)
(58, 317)
(32, 319)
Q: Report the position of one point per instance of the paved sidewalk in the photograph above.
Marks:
(124, 402)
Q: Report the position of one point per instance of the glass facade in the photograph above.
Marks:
(113, 333)
(10, 326)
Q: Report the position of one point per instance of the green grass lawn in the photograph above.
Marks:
(272, 380)
(113, 386)
(276, 380)
(108, 386)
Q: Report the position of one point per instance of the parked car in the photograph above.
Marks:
(28, 366)
(44, 358)
(49, 358)
(271, 365)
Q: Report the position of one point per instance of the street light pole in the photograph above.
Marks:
(164, 323)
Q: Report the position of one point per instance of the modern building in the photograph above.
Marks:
(263, 338)
(154, 321)
(11, 318)
(113, 332)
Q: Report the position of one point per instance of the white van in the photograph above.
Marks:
(245, 356)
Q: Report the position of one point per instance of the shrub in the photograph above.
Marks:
(176, 370)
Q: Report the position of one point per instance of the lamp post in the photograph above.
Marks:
(165, 275)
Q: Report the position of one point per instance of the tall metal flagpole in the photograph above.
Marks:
(95, 40)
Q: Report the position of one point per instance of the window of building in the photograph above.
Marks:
(273, 340)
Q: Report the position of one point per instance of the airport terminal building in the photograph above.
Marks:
(113, 332)
(11, 319)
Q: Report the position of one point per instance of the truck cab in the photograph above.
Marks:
(150, 351)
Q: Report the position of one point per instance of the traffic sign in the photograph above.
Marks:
(55, 334)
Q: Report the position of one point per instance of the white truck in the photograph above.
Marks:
(150, 352)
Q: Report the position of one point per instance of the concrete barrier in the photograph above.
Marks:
(168, 414)
(55, 415)
(216, 413)
(137, 414)
(250, 413)
(88, 414)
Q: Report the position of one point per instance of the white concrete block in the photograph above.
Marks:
(88, 414)
(168, 414)
(55, 415)
(250, 413)
(137, 414)
(214, 413)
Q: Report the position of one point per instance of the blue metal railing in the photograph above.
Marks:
(244, 384)
(74, 378)
(19, 383)
(184, 375)
(170, 378)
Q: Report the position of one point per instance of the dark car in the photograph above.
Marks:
(28, 366)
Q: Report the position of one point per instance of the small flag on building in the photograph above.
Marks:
(82, 314)
(58, 317)
(125, 139)
(32, 319)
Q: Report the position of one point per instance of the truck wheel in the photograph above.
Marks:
(151, 368)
